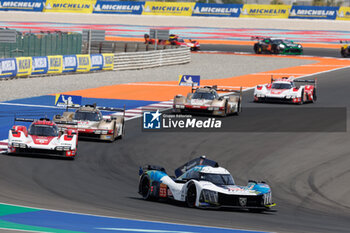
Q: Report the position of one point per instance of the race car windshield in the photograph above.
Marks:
(217, 179)
(44, 130)
(203, 95)
(180, 40)
(281, 86)
(87, 116)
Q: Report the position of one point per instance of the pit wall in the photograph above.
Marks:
(179, 9)
(57, 64)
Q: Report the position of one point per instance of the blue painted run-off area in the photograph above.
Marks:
(43, 106)
(88, 223)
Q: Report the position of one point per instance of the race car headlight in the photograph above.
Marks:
(299, 46)
(97, 131)
(210, 108)
(59, 148)
(267, 198)
(288, 96)
(66, 148)
(282, 46)
(19, 145)
(209, 196)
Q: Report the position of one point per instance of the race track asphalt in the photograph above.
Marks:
(308, 172)
(319, 52)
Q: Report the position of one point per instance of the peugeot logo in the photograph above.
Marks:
(243, 201)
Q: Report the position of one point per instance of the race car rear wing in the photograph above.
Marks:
(202, 160)
(110, 109)
(215, 87)
(306, 81)
(259, 37)
(295, 80)
(46, 119)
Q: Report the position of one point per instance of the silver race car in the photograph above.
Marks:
(207, 100)
(90, 122)
(202, 183)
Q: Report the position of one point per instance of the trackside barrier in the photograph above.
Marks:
(22, 5)
(156, 58)
(313, 12)
(178, 9)
(58, 64)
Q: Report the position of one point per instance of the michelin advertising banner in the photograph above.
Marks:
(70, 63)
(8, 68)
(114, 7)
(22, 5)
(313, 12)
(24, 66)
(343, 13)
(217, 10)
(96, 62)
(168, 8)
(70, 6)
(40, 65)
(83, 63)
(108, 61)
(55, 64)
(265, 11)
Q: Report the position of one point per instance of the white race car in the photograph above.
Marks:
(42, 137)
(285, 90)
(202, 183)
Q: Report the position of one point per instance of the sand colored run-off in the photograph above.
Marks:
(166, 90)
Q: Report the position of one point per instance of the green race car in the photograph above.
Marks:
(277, 46)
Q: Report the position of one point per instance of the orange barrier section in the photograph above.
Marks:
(166, 90)
(230, 42)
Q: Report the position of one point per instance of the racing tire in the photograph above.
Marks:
(239, 107)
(302, 97)
(191, 196)
(115, 134)
(225, 110)
(314, 94)
(123, 130)
(343, 53)
(257, 49)
(145, 187)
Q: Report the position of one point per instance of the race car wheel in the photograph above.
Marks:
(239, 107)
(225, 110)
(145, 188)
(257, 49)
(343, 53)
(115, 134)
(314, 95)
(191, 195)
(302, 99)
(123, 132)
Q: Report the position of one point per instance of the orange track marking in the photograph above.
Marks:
(166, 90)
(230, 42)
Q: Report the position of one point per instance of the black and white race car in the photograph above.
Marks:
(202, 183)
